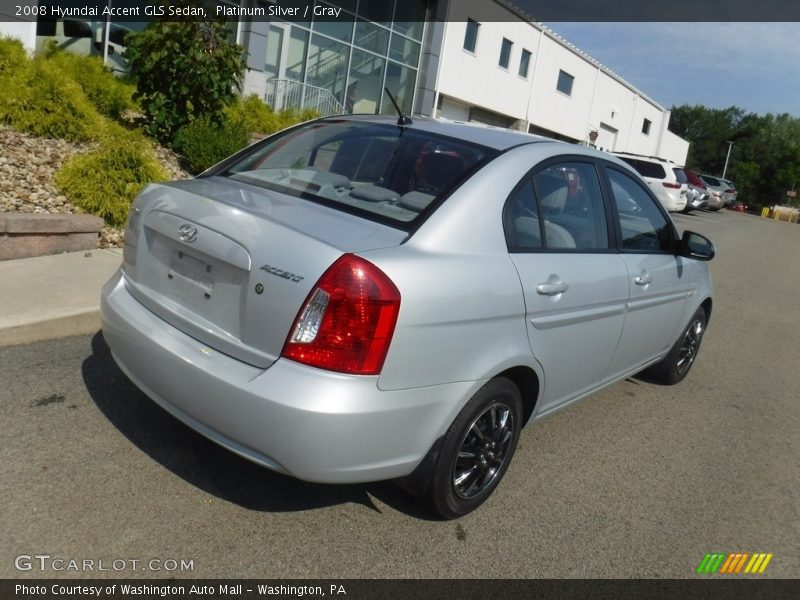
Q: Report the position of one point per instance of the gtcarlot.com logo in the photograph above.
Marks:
(46, 562)
(734, 563)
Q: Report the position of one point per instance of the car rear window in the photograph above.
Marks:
(710, 181)
(646, 168)
(680, 176)
(380, 171)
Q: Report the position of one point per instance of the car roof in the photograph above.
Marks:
(655, 159)
(477, 133)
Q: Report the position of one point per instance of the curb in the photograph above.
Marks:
(81, 323)
(54, 296)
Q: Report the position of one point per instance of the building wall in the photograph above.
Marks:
(552, 109)
(21, 30)
(673, 148)
(599, 100)
(476, 78)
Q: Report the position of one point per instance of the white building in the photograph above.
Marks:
(472, 61)
(499, 68)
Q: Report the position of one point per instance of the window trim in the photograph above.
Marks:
(612, 228)
(474, 49)
(605, 166)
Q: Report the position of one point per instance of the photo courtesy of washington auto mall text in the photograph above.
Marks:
(173, 589)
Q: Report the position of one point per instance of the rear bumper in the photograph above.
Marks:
(697, 204)
(677, 203)
(305, 422)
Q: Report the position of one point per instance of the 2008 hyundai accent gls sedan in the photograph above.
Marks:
(359, 298)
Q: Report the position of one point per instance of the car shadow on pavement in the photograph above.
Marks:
(210, 467)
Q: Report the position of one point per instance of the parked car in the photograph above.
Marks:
(665, 178)
(738, 206)
(325, 304)
(731, 194)
(698, 192)
(719, 192)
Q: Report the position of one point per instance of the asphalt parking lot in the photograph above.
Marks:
(639, 481)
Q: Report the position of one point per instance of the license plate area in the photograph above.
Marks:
(195, 283)
(191, 277)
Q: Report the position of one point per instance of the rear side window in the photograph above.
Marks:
(646, 168)
(522, 224)
(644, 228)
(560, 208)
(376, 170)
(710, 181)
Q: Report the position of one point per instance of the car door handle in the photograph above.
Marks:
(643, 279)
(551, 289)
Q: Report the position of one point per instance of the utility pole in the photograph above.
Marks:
(725, 169)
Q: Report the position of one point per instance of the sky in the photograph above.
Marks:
(755, 66)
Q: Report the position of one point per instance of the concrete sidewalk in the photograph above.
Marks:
(53, 296)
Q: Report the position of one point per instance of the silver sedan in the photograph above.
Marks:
(364, 298)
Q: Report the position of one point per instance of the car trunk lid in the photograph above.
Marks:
(231, 265)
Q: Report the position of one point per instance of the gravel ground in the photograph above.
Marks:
(28, 165)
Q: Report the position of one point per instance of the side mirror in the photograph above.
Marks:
(694, 245)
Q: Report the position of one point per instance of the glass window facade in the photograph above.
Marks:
(372, 45)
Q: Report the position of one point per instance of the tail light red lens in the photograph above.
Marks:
(347, 321)
(674, 186)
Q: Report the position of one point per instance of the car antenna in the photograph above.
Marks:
(402, 120)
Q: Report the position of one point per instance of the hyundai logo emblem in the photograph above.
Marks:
(188, 233)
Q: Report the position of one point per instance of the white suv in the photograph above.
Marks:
(664, 177)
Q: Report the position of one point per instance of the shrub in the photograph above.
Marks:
(41, 99)
(259, 118)
(109, 94)
(204, 143)
(106, 181)
(183, 70)
(12, 56)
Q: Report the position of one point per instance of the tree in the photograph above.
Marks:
(765, 158)
(183, 70)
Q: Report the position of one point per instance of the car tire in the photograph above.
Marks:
(677, 364)
(477, 449)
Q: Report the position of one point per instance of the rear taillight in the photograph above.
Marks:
(674, 186)
(347, 321)
(728, 191)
